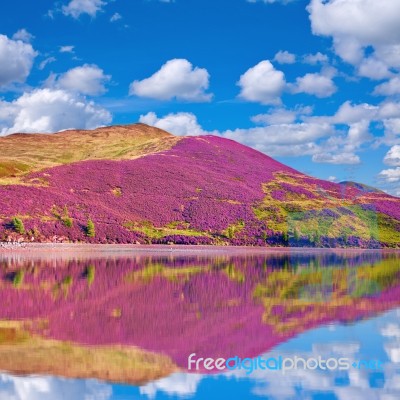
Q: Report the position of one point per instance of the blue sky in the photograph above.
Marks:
(313, 83)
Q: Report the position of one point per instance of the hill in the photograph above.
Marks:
(137, 184)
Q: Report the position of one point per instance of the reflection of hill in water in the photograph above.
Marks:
(213, 306)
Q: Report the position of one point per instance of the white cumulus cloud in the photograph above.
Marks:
(355, 25)
(278, 116)
(177, 78)
(262, 84)
(349, 113)
(115, 17)
(16, 60)
(50, 110)
(374, 68)
(389, 88)
(67, 49)
(315, 84)
(316, 58)
(284, 57)
(392, 157)
(86, 79)
(180, 124)
(390, 175)
(342, 158)
(75, 8)
(46, 61)
(23, 35)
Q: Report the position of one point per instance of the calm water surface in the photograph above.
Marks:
(121, 325)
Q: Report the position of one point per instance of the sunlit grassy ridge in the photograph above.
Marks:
(23, 153)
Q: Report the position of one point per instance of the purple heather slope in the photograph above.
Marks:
(204, 183)
(208, 180)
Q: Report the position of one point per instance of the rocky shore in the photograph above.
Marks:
(12, 245)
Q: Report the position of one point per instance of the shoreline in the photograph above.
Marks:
(32, 247)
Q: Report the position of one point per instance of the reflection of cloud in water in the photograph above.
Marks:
(50, 388)
(339, 349)
(356, 393)
(298, 384)
(278, 386)
(391, 330)
(381, 335)
(392, 345)
(393, 351)
(302, 384)
(176, 384)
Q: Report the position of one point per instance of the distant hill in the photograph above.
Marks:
(138, 184)
(360, 186)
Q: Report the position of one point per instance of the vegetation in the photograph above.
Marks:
(18, 225)
(90, 229)
(117, 192)
(20, 156)
(173, 228)
(67, 221)
(63, 216)
(234, 229)
(242, 197)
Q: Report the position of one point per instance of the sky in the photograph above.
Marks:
(312, 83)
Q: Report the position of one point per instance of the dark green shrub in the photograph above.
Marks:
(90, 229)
(67, 221)
(18, 225)
(64, 218)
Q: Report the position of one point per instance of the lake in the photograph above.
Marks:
(124, 323)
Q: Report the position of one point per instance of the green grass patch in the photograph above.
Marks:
(232, 230)
(153, 232)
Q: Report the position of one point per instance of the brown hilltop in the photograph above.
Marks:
(22, 153)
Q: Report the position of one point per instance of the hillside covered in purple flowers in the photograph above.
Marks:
(137, 184)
